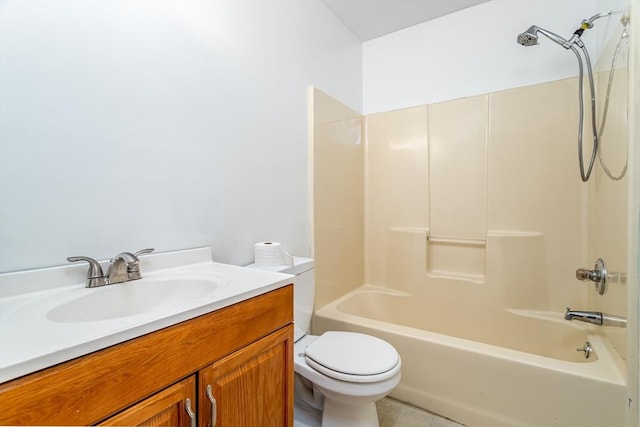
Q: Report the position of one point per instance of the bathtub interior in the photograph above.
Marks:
(480, 384)
(545, 334)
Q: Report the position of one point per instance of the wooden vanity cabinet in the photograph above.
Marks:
(245, 351)
(251, 387)
(174, 406)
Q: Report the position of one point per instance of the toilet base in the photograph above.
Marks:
(336, 414)
(305, 416)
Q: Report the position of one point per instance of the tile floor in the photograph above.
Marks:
(392, 413)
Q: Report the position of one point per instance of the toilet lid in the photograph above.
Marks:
(353, 354)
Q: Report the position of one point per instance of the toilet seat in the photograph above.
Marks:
(353, 357)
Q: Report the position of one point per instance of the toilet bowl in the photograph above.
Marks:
(338, 375)
(348, 392)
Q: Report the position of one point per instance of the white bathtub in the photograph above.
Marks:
(508, 368)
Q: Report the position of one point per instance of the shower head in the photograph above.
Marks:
(530, 37)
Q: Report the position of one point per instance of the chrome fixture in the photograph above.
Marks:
(598, 275)
(190, 412)
(587, 24)
(596, 318)
(586, 348)
(126, 266)
(95, 276)
(530, 38)
(123, 268)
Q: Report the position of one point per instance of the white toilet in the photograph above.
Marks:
(338, 375)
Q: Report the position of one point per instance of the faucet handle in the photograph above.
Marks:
(585, 274)
(132, 258)
(133, 263)
(144, 251)
(598, 275)
(95, 276)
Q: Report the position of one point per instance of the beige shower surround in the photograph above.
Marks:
(453, 172)
(490, 167)
(473, 206)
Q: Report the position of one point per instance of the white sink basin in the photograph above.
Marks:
(133, 298)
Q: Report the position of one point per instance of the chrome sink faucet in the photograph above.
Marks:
(122, 268)
(596, 318)
(126, 266)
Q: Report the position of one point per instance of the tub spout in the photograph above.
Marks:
(596, 318)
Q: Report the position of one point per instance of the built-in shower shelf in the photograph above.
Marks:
(454, 258)
(456, 241)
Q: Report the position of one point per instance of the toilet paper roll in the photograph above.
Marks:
(271, 254)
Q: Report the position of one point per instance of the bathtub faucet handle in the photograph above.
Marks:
(598, 276)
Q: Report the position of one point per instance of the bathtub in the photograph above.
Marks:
(511, 368)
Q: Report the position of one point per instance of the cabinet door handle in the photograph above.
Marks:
(214, 408)
(192, 415)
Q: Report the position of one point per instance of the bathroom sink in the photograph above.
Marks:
(134, 298)
(48, 316)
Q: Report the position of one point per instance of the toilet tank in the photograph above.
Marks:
(304, 287)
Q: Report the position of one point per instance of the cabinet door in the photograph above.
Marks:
(173, 406)
(252, 387)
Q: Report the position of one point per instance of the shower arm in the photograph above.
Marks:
(586, 24)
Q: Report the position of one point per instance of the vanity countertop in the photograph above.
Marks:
(32, 339)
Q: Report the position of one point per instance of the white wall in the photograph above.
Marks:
(474, 51)
(172, 124)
